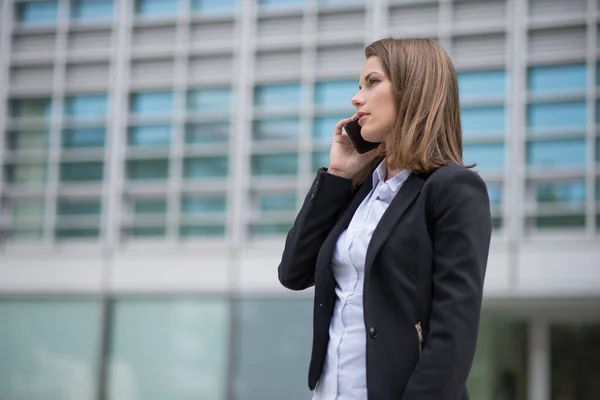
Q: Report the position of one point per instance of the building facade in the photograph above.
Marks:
(154, 153)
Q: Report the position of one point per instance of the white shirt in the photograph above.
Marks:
(344, 370)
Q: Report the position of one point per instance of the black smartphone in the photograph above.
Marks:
(352, 128)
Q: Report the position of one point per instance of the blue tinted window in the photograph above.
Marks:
(92, 10)
(74, 208)
(277, 202)
(152, 103)
(323, 127)
(275, 164)
(277, 96)
(157, 135)
(336, 93)
(495, 194)
(203, 230)
(31, 108)
(147, 169)
(482, 84)
(320, 159)
(203, 204)
(288, 128)
(157, 8)
(83, 138)
(206, 167)
(210, 6)
(282, 3)
(488, 156)
(561, 192)
(210, 100)
(81, 171)
(483, 121)
(38, 12)
(211, 132)
(554, 116)
(150, 206)
(92, 106)
(557, 153)
(557, 78)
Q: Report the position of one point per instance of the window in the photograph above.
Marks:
(157, 8)
(276, 202)
(211, 230)
(482, 84)
(320, 159)
(273, 343)
(83, 138)
(266, 229)
(206, 167)
(75, 208)
(203, 204)
(90, 106)
(561, 192)
(81, 171)
(323, 127)
(27, 140)
(152, 104)
(189, 339)
(559, 153)
(150, 135)
(483, 121)
(557, 78)
(286, 129)
(211, 132)
(30, 174)
(274, 164)
(38, 12)
(336, 94)
(495, 194)
(150, 207)
(488, 156)
(277, 96)
(560, 204)
(147, 169)
(49, 348)
(282, 3)
(92, 10)
(31, 108)
(214, 100)
(27, 219)
(214, 6)
(557, 116)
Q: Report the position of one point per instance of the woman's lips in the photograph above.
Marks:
(361, 120)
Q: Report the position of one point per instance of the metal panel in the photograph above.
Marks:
(491, 47)
(152, 71)
(33, 43)
(556, 8)
(278, 63)
(477, 12)
(337, 59)
(211, 69)
(86, 75)
(31, 78)
(276, 28)
(154, 35)
(413, 19)
(348, 23)
(556, 41)
(90, 40)
(221, 32)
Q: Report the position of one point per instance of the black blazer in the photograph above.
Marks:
(425, 266)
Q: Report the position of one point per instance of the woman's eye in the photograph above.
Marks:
(373, 81)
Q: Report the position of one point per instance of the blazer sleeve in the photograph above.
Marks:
(461, 239)
(328, 195)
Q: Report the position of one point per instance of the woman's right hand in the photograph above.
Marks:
(344, 160)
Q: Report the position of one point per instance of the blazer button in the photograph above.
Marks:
(372, 332)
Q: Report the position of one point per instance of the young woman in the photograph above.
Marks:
(395, 240)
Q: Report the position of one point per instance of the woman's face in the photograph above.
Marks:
(375, 102)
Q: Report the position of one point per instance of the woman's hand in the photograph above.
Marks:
(344, 160)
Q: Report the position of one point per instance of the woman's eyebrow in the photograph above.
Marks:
(366, 78)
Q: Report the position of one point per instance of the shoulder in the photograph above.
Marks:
(453, 183)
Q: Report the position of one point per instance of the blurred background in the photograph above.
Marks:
(154, 153)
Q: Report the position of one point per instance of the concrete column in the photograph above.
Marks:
(539, 360)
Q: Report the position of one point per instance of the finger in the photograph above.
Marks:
(340, 124)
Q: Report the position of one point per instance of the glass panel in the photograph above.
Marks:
(157, 8)
(495, 193)
(150, 135)
(91, 106)
(151, 206)
(76, 233)
(27, 210)
(26, 234)
(81, 171)
(204, 230)
(209, 6)
(561, 192)
(28, 140)
(277, 96)
(211, 100)
(496, 222)
(281, 3)
(49, 349)
(483, 121)
(200, 204)
(560, 221)
(288, 128)
(70, 207)
(482, 84)
(275, 164)
(38, 12)
(152, 103)
(557, 78)
(557, 116)
(148, 231)
(557, 153)
(320, 159)
(92, 10)
(323, 127)
(217, 132)
(336, 93)
(206, 167)
(273, 349)
(83, 138)
(26, 173)
(574, 355)
(147, 169)
(277, 201)
(489, 156)
(273, 229)
(188, 341)
(31, 108)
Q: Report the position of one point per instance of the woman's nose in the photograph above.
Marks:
(357, 101)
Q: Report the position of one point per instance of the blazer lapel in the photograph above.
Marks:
(404, 198)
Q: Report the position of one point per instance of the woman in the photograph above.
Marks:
(395, 240)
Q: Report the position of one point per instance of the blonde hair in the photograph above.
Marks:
(427, 132)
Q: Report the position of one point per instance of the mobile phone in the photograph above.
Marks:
(362, 146)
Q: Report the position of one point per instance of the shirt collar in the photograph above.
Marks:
(394, 182)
